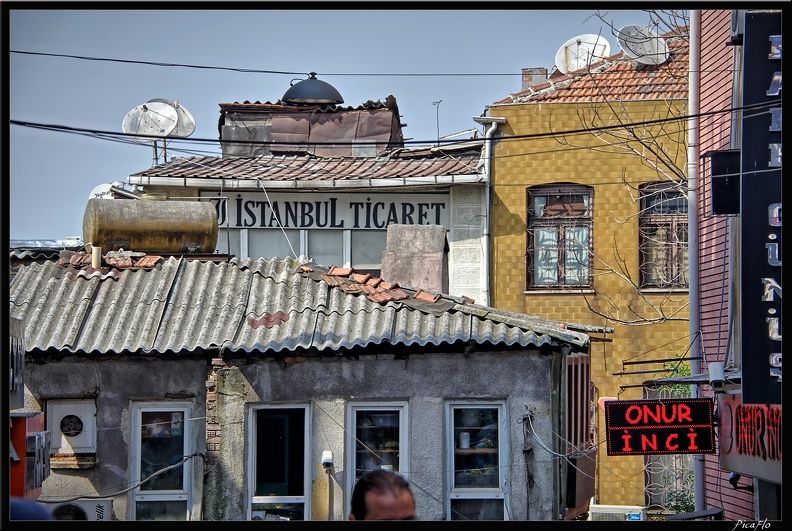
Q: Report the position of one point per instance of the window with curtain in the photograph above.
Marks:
(559, 236)
(663, 236)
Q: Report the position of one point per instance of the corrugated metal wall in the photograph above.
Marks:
(717, 64)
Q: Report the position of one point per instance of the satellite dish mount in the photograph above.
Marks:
(579, 52)
(155, 119)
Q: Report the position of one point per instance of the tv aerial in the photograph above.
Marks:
(643, 44)
(157, 119)
(579, 52)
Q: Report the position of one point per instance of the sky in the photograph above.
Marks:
(364, 53)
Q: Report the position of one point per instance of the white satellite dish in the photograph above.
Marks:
(156, 119)
(101, 192)
(643, 44)
(579, 52)
(185, 125)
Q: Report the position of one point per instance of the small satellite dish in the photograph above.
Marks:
(580, 51)
(154, 119)
(101, 192)
(643, 44)
(185, 125)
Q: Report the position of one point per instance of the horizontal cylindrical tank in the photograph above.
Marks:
(150, 225)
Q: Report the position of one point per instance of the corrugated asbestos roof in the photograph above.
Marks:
(617, 78)
(266, 306)
(312, 168)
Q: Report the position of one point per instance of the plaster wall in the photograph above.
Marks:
(114, 385)
(426, 382)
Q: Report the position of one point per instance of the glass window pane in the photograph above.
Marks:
(271, 243)
(367, 249)
(161, 510)
(576, 256)
(476, 459)
(476, 510)
(546, 257)
(376, 440)
(228, 241)
(280, 444)
(162, 445)
(326, 247)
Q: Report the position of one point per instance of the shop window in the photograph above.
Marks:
(377, 440)
(559, 237)
(279, 478)
(160, 461)
(478, 468)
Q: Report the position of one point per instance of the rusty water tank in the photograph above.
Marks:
(150, 225)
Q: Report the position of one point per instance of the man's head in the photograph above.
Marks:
(382, 495)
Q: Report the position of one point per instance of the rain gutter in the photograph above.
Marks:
(694, 295)
(487, 156)
(301, 184)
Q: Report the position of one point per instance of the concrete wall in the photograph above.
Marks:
(416, 256)
(520, 164)
(426, 381)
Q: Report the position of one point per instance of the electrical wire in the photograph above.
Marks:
(257, 71)
(450, 143)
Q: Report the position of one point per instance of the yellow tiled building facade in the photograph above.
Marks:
(649, 323)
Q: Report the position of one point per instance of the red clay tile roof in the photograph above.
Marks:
(617, 78)
(311, 168)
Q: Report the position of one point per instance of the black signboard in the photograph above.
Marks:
(760, 211)
(663, 426)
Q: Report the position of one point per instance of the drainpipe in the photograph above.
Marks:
(694, 295)
(488, 180)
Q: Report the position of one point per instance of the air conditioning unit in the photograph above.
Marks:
(72, 423)
(98, 509)
(616, 513)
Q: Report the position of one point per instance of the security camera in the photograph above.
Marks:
(327, 459)
(717, 379)
(734, 479)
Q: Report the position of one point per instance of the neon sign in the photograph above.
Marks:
(664, 426)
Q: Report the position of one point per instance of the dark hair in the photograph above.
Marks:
(379, 481)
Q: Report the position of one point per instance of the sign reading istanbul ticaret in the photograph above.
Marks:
(310, 210)
(664, 426)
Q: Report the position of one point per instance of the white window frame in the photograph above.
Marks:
(183, 494)
(455, 493)
(251, 438)
(352, 408)
(302, 249)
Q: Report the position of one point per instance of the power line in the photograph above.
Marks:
(449, 143)
(254, 70)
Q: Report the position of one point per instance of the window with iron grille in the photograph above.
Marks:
(663, 236)
(559, 236)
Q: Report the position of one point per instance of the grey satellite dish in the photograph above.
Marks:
(643, 44)
(579, 52)
(156, 119)
(185, 126)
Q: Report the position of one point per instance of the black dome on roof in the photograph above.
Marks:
(312, 90)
